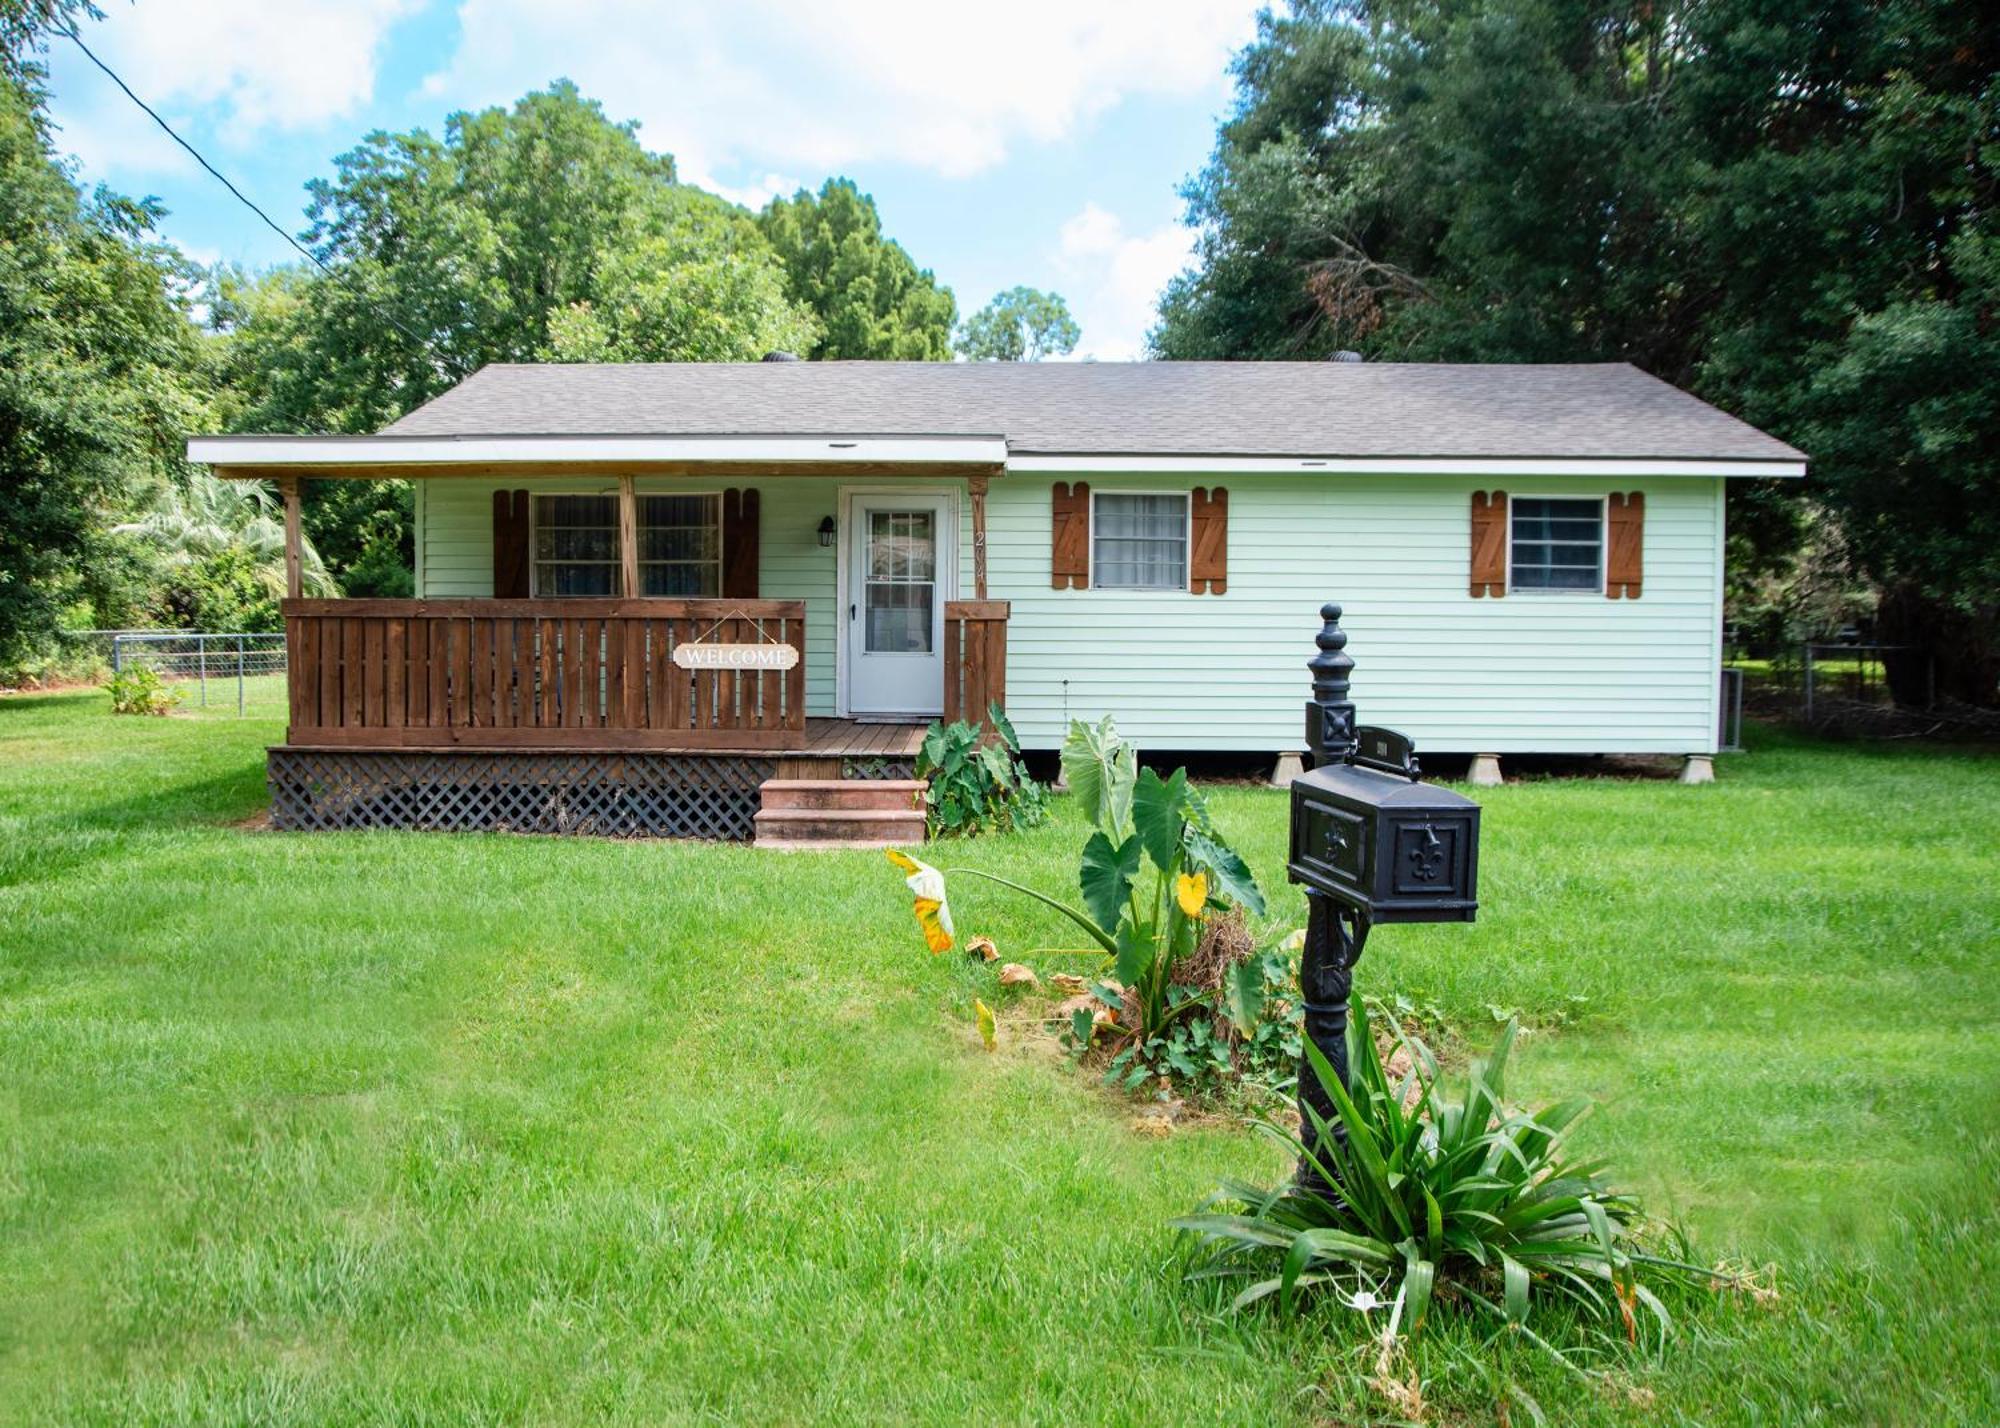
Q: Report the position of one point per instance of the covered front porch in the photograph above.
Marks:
(514, 693)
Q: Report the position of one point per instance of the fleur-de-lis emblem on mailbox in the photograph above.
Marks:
(1427, 857)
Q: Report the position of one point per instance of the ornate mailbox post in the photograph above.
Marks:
(1371, 843)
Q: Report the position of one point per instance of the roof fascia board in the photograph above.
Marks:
(311, 451)
(1618, 468)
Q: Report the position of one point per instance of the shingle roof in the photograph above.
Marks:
(1330, 409)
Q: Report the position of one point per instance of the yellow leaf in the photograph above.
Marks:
(988, 1031)
(1191, 892)
(926, 885)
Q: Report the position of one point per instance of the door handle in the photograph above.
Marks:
(852, 611)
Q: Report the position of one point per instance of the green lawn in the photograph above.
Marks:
(430, 1129)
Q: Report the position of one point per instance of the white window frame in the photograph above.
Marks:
(535, 564)
(1603, 545)
(1186, 495)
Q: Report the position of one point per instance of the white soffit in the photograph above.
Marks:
(1621, 467)
(307, 451)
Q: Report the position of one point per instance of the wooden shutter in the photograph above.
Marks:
(1208, 561)
(512, 565)
(1625, 547)
(1489, 544)
(739, 543)
(1069, 551)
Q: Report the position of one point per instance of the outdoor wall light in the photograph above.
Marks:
(826, 530)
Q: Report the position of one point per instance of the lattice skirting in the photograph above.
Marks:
(878, 766)
(607, 795)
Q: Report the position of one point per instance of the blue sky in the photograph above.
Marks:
(1036, 142)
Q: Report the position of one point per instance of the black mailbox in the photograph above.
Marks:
(1372, 843)
(1365, 830)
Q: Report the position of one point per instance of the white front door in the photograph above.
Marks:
(898, 557)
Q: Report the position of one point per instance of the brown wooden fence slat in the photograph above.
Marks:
(394, 713)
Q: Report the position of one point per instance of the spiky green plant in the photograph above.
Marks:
(1456, 1199)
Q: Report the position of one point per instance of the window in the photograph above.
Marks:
(1139, 542)
(1557, 544)
(680, 545)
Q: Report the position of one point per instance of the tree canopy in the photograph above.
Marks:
(1778, 204)
(98, 364)
(871, 300)
(1019, 325)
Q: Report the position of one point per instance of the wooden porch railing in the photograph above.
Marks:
(586, 673)
(975, 658)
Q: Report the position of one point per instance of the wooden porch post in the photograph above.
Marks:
(628, 538)
(288, 487)
(978, 487)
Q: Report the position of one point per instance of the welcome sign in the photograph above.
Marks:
(735, 656)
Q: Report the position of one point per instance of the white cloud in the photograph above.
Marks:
(258, 64)
(818, 87)
(1115, 278)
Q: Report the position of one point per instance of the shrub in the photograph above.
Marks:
(1442, 1200)
(1146, 923)
(140, 690)
(977, 784)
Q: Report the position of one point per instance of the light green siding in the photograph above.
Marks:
(1529, 673)
(1526, 674)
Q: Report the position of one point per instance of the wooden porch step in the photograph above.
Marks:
(839, 827)
(884, 795)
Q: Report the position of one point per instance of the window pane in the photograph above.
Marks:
(899, 618)
(577, 511)
(1557, 544)
(1140, 542)
(698, 543)
(680, 580)
(577, 579)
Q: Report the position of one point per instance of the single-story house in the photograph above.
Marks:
(1530, 558)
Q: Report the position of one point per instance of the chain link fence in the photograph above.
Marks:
(246, 668)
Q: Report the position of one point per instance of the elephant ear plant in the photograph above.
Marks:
(973, 783)
(1153, 869)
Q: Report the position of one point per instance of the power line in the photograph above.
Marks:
(240, 196)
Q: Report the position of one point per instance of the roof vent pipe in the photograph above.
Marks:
(1345, 356)
(781, 356)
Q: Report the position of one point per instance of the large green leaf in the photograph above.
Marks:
(1100, 769)
(1106, 876)
(1159, 812)
(998, 765)
(1137, 948)
(1003, 726)
(1231, 874)
(1245, 991)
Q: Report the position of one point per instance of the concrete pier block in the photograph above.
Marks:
(1485, 771)
(1699, 768)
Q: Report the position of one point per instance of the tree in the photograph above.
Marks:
(871, 301)
(543, 231)
(1778, 204)
(1019, 325)
(98, 361)
(702, 290)
(219, 549)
